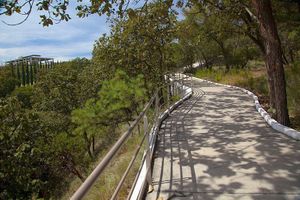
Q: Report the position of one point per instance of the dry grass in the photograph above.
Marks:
(104, 187)
(107, 182)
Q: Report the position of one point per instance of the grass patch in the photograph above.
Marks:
(232, 77)
(108, 181)
(293, 93)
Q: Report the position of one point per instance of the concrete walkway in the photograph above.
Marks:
(217, 146)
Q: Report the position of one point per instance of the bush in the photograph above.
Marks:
(24, 95)
(293, 85)
(7, 82)
(258, 84)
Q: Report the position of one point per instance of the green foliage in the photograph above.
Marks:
(27, 76)
(293, 85)
(55, 11)
(242, 51)
(258, 84)
(58, 89)
(21, 159)
(39, 149)
(47, 129)
(210, 35)
(139, 43)
(288, 17)
(210, 74)
(67, 157)
(34, 159)
(90, 81)
(118, 101)
(122, 95)
(24, 95)
(7, 82)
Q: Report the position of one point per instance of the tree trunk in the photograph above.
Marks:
(93, 144)
(226, 57)
(270, 85)
(273, 56)
(205, 61)
(270, 78)
(75, 171)
(224, 53)
(88, 145)
(256, 37)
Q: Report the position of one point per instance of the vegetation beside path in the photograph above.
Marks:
(55, 130)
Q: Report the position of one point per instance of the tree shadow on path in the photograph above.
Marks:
(217, 146)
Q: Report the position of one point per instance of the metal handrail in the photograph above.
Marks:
(84, 188)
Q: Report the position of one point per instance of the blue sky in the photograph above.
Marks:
(62, 41)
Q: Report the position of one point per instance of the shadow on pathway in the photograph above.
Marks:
(217, 146)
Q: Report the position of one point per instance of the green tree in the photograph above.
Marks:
(35, 159)
(140, 43)
(273, 57)
(260, 26)
(7, 82)
(288, 17)
(118, 101)
(22, 162)
(57, 90)
(24, 95)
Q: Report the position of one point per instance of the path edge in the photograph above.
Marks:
(139, 190)
(270, 121)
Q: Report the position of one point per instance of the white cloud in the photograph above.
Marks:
(52, 51)
(65, 40)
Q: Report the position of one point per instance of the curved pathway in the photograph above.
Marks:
(217, 146)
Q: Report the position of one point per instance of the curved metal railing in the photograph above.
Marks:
(176, 86)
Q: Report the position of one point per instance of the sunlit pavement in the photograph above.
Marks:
(217, 146)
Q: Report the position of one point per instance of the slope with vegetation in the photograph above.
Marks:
(60, 126)
(53, 132)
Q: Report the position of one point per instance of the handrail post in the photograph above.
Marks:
(168, 96)
(172, 88)
(156, 106)
(176, 87)
(148, 150)
(181, 90)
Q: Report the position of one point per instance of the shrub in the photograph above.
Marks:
(293, 85)
(258, 84)
(24, 95)
(7, 85)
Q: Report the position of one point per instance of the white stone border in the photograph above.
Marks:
(140, 183)
(272, 122)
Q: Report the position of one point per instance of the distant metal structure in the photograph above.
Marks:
(26, 68)
(31, 59)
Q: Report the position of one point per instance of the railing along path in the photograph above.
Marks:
(176, 86)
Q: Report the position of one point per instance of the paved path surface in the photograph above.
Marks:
(217, 146)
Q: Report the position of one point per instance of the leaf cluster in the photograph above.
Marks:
(139, 43)
(118, 101)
